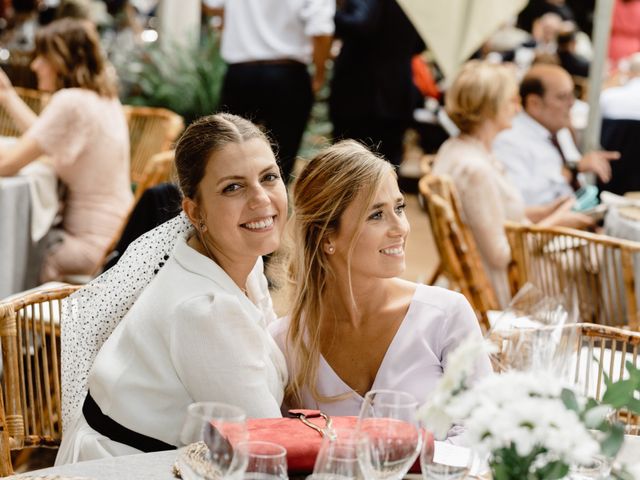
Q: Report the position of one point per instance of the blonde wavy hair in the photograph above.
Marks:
(478, 93)
(326, 187)
(72, 47)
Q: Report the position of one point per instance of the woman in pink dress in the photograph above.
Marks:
(83, 131)
(354, 325)
(625, 30)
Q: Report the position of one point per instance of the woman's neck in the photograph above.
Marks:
(359, 302)
(485, 133)
(238, 270)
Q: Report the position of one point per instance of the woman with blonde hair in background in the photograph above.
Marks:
(482, 102)
(354, 325)
(84, 133)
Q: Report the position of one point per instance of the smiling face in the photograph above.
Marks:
(47, 75)
(379, 250)
(242, 201)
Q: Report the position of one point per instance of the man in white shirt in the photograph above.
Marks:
(535, 150)
(268, 45)
(623, 102)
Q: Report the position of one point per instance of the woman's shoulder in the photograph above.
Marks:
(67, 94)
(458, 156)
(438, 298)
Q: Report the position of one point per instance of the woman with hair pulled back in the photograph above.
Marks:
(354, 325)
(198, 330)
(84, 133)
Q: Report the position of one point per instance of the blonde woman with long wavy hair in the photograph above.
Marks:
(354, 325)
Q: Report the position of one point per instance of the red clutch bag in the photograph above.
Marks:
(301, 435)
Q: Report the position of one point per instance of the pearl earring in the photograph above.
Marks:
(331, 249)
(203, 227)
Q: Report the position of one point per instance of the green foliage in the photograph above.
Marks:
(186, 80)
(507, 464)
(599, 416)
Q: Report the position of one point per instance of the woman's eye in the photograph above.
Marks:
(270, 177)
(375, 216)
(401, 208)
(231, 188)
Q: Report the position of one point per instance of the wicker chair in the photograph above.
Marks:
(34, 98)
(30, 402)
(151, 131)
(160, 169)
(459, 258)
(599, 268)
(593, 352)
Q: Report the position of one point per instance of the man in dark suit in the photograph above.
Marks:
(372, 92)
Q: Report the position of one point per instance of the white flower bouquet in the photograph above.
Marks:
(530, 424)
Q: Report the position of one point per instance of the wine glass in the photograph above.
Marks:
(216, 428)
(337, 458)
(264, 460)
(443, 461)
(389, 437)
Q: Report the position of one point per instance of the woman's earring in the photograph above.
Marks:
(203, 226)
(331, 249)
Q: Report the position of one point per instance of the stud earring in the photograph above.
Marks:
(203, 227)
(331, 249)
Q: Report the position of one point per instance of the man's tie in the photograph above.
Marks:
(575, 185)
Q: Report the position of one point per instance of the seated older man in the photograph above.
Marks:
(530, 150)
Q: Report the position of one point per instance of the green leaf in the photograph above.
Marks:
(612, 442)
(569, 399)
(619, 393)
(553, 471)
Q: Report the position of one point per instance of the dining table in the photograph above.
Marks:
(28, 204)
(159, 466)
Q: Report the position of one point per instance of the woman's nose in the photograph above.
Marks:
(259, 197)
(400, 226)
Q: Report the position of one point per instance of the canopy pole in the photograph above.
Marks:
(601, 32)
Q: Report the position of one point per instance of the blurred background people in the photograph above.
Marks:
(538, 152)
(570, 60)
(625, 30)
(620, 108)
(372, 95)
(84, 133)
(482, 102)
(269, 45)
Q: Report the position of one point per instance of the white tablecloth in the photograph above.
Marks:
(151, 466)
(19, 257)
(28, 205)
(158, 466)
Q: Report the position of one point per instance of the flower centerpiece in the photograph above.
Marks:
(529, 424)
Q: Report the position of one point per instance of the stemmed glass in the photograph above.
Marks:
(337, 458)
(220, 427)
(389, 437)
(265, 460)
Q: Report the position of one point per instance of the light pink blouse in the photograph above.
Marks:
(87, 138)
(436, 322)
(488, 198)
